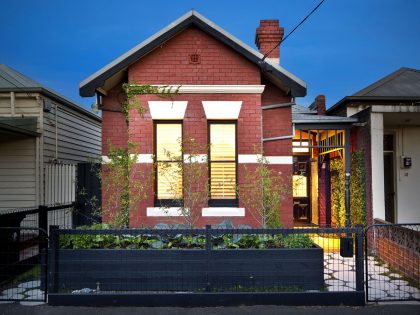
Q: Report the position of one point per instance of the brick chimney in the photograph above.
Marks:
(319, 105)
(268, 35)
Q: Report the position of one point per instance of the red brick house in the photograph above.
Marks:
(229, 94)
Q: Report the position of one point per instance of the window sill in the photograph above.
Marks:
(223, 212)
(164, 212)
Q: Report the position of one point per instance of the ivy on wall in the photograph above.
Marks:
(357, 190)
(338, 209)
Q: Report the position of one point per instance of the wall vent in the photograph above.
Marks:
(194, 59)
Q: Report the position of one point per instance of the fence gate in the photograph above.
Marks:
(23, 264)
(392, 262)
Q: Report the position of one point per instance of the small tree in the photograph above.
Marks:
(192, 192)
(262, 192)
(357, 188)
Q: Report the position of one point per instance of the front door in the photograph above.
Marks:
(389, 185)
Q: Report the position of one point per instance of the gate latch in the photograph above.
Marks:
(346, 247)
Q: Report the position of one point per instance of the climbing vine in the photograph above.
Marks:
(338, 208)
(357, 188)
(123, 183)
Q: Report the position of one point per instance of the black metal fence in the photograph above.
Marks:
(392, 262)
(285, 266)
(22, 264)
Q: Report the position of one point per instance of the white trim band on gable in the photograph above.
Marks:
(165, 212)
(211, 89)
(222, 109)
(167, 109)
(223, 212)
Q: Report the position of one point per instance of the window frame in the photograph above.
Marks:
(165, 202)
(222, 202)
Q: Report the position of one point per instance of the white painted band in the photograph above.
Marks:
(167, 109)
(223, 89)
(105, 159)
(165, 212)
(255, 158)
(222, 109)
(279, 159)
(223, 212)
(197, 158)
(249, 158)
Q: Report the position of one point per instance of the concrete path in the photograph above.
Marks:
(340, 275)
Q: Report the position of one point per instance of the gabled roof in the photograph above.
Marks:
(14, 81)
(401, 85)
(275, 73)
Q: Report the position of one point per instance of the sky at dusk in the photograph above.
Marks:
(343, 47)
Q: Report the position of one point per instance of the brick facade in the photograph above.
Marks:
(218, 65)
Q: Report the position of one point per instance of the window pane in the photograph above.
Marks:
(168, 140)
(223, 180)
(299, 186)
(222, 142)
(169, 180)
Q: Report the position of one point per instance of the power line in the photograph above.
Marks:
(291, 32)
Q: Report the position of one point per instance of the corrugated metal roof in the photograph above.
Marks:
(274, 72)
(299, 109)
(320, 119)
(12, 80)
(403, 82)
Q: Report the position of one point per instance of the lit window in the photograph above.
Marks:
(300, 186)
(222, 163)
(300, 147)
(168, 154)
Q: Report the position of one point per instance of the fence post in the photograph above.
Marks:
(43, 218)
(208, 256)
(52, 259)
(359, 257)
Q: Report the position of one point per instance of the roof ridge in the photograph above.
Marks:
(377, 84)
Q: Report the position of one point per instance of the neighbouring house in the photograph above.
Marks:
(229, 96)
(388, 131)
(43, 135)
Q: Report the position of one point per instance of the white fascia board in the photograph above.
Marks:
(223, 212)
(165, 212)
(167, 109)
(222, 109)
(210, 89)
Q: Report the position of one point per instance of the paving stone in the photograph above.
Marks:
(394, 275)
(13, 296)
(28, 303)
(13, 291)
(34, 292)
(30, 284)
(39, 296)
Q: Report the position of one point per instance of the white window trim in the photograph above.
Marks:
(222, 109)
(167, 109)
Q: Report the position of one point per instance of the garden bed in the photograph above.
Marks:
(184, 263)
